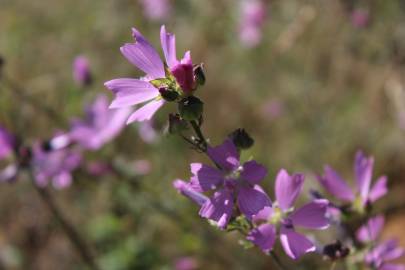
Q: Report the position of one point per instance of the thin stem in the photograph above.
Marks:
(277, 261)
(70, 231)
(200, 135)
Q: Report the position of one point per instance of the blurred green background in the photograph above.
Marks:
(316, 89)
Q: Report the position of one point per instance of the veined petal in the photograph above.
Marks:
(205, 177)
(288, 188)
(252, 201)
(363, 168)
(253, 172)
(130, 92)
(295, 244)
(146, 112)
(379, 189)
(185, 189)
(168, 41)
(371, 230)
(225, 155)
(219, 208)
(264, 236)
(335, 185)
(144, 56)
(313, 215)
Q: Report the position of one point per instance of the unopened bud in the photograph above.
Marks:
(336, 251)
(191, 108)
(176, 124)
(168, 94)
(199, 74)
(241, 139)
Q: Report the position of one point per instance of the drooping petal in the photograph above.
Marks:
(252, 201)
(253, 172)
(205, 177)
(144, 56)
(295, 244)
(335, 185)
(168, 41)
(313, 215)
(379, 189)
(130, 92)
(185, 189)
(264, 236)
(371, 230)
(218, 208)
(288, 188)
(146, 112)
(363, 168)
(225, 155)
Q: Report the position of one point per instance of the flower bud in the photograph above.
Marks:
(168, 94)
(191, 108)
(336, 251)
(176, 124)
(241, 139)
(199, 74)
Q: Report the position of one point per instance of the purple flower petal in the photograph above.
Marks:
(205, 177)
(168, 41)
(363, 168)
(189, 192)
(379, 189)
(391, 250)
(9, 173)
(263, 215)
(312, 215)
(390, 266)
(264, 236)
(251, 201)
(225, 155)
(130, 92)
(253, 172)
(62, 180)
(144, 56)
(146, 112)
(371, 230)
(288, 188)
(294, 244)
(218, 208)
(6, 143)
(335, 185)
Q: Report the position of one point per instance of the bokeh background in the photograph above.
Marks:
(326, 79)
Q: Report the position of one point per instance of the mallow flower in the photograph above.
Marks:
(100, 124)
(379, 254)
(280, 220)
(232, 182)
(361, 194)
(81, 71)
(163, 80)
(156, 10)
(253, 15)
(54, 166)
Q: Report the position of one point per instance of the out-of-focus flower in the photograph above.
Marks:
(98, 168)
(283, 217)
(156, 10)
(380, 254)
(54, 166)
(186, 263)
(81, 71)
(233, 182)
(360, 17)
(142, 166)
(187, 190)
(100, 125)
(272, 109)
(362, 193)
(252, 18)
(158, 85)
(7, 143)
(147, 133)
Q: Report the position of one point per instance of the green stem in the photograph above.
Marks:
(277, 261)
(70, 231)
(201, 138)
